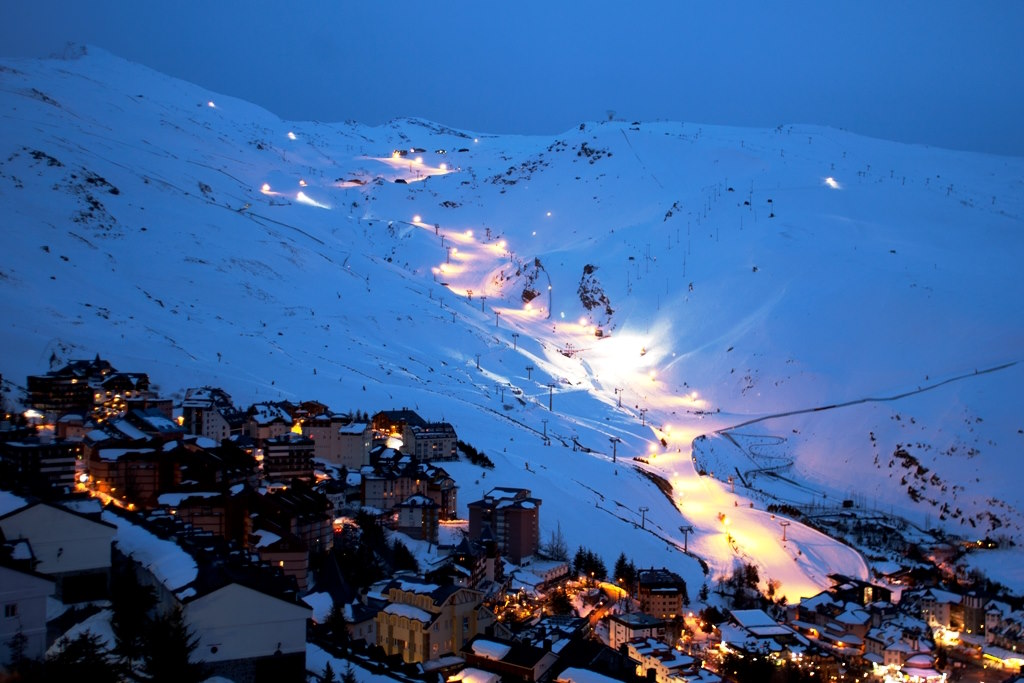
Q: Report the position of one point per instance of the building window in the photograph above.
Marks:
(10, 610)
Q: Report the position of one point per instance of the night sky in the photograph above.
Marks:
(948, 74)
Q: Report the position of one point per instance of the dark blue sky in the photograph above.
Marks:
(943, 73)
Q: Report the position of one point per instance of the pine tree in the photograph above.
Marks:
(168, 647)
(16, 648)
(402, 557)
(328, 673)
(82, 658)
(337, 625)
(579, 561)
(131, 603)
(349, 676)
(625, 572)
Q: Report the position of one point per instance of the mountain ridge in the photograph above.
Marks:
(205, 241)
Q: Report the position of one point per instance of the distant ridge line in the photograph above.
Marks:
(881, 399)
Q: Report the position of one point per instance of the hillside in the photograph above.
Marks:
(772, 277)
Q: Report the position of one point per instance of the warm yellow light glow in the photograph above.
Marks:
(265, 189)
(831, 182)
(303, 198)
(417, 218)
(302, 183)
(443, 166)
(291, 135)
(211, 104)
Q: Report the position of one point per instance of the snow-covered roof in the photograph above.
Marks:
(10, 502)
(21, 550)
(266, 538)
(473, 675)
(488, 649)
(577, 675)
(943, 596)
(83, 506)
(166, 560)
(174, 499)
(265, 413)
(118, 453)
(409, 612)
(321, 604)
(128, 429)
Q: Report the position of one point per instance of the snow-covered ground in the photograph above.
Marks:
(733, 275)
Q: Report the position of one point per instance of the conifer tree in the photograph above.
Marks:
(82, 658)
(168, 648)
(130, 602)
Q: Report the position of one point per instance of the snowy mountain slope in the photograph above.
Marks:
(734, 274)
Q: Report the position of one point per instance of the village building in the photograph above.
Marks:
(624, 627)
(267, 421)
(246, 634)
(209, 412)
(72, 549)
(70, 389)
(245, 617)
(512, 660)
(410, 433)
(755, 631)
(418, 518)
(661, 593)
(513, 518)
(23, 596)
(422, 621)
(659, 662)
(340, 440)
(40, 464)
(288, 457)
